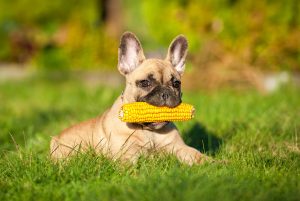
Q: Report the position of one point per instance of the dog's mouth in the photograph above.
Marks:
(155, 125)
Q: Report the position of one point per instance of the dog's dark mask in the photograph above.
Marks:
(160, 94)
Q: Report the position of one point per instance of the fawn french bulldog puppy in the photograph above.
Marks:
(154, 81)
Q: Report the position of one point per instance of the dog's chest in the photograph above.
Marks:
(142, 138)
(147, 139)
(150, 140)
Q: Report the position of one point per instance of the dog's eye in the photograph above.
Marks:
(145, 83)
(176, 84)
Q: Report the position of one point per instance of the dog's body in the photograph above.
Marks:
(151, 80)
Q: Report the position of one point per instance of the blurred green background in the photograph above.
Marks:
(84, 34)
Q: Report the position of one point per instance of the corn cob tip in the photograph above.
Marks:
(193, 112)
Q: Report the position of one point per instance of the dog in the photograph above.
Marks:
(154, 81)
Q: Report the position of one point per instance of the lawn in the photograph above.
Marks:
(253, 138)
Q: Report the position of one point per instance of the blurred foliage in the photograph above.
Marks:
(56, 34)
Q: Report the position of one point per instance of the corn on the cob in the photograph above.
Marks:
(139, 112)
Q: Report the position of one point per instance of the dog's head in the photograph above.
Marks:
(154, 81)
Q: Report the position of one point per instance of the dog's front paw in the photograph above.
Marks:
(192, 156)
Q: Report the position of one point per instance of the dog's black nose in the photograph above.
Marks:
(164, 96)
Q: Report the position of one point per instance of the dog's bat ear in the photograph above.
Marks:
(177, 53)
(130, 54)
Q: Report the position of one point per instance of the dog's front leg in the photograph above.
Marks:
(130, 155)
(125, 151)
(188, 154)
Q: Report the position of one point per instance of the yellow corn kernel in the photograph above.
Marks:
(139, 112)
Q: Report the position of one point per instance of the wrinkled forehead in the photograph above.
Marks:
(160, 70)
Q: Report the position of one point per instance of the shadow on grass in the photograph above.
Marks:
(203, 140)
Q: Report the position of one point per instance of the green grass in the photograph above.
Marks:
(253, 138)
